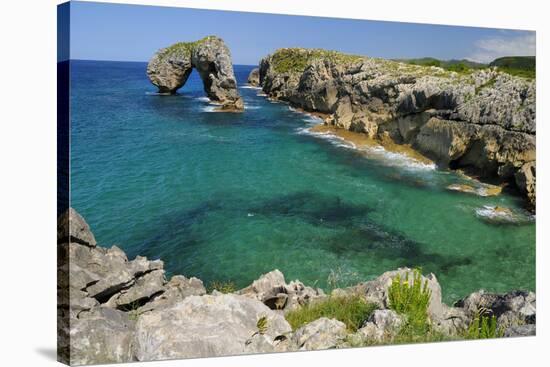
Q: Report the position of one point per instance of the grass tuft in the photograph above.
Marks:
(222, 286)
(411, 301)
(352, 311)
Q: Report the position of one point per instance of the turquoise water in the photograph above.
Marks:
(227, 197)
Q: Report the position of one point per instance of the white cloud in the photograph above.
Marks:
(488, 49)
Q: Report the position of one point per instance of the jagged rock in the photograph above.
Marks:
(382, 325)
(114, 310)
(484, 120)
(511, 309)
(254, 77)
(144, 288)
(102, 336)
(272, 290)
(521, 330)
(322, 333)
(71, 227)
(206, 326)
(170, 67)
(526, 178)
(178, 288)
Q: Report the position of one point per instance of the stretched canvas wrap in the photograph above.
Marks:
(238, 183)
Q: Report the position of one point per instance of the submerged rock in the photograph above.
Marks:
(483, 190)
(170, 68)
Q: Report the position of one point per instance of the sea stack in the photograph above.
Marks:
(254, 77)
(170, 67)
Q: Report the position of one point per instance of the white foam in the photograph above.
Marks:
(251, 107)
(209, 108)
(378, 153)
(156, 94)
(503, 215)
(250, 87)
(203, 99)
(312, 119)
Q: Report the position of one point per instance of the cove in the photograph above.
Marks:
(227, 197)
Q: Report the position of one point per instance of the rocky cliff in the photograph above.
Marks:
(482, 121)
(170, 68)
(112, 309)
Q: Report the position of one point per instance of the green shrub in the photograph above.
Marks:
(352, 311)
(459, 67)
(412, 301)
(483, 327)
(223, 287)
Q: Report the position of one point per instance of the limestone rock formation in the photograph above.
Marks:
(111, 309)
(322, 333)
(272, 290)
(170, 68)
(483, 121)
(206, 326)
(254, 77)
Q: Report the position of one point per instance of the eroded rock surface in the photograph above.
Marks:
(170, 67)
(111, 309)
(483, 121)
(254, 77)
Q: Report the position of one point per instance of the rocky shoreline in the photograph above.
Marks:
(112, 309)
(481, 121)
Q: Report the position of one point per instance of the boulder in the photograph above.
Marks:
(526, 180)
(71, 227)
(102, 336)
(254, 77)
(322, 333)
(381, 326)
(521, 330)
(511, 309)
(206, 326)
(272, 290)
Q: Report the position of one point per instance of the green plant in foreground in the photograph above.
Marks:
(412, 301)
(351, 310)
(483, 327)
(222, 286)
(262, 325)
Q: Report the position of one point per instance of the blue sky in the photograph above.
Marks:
(133, 33)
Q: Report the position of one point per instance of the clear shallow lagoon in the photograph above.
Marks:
(227, 197)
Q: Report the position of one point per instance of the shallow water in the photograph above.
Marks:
(227, 197)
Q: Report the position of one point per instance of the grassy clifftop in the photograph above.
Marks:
(183, 48)
(296, 59)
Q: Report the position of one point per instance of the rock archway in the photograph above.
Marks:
(170, 68)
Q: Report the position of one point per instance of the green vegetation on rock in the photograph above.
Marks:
(296, 59)
(222, 287)
(483, 327)
(411, 301)
(351, 310)
(523, 66)
(182, 48)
